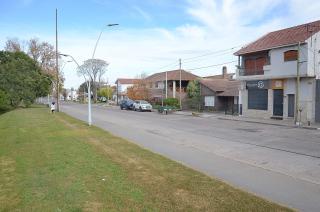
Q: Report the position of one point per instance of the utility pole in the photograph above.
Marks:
(166, 84)
(118, 92)
(57, 64)
(297, 87)
(180, 84)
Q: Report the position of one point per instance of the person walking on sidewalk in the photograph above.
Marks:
(53, 107)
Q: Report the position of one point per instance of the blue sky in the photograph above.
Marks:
(152, 33)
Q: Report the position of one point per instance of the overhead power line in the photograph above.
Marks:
(212, 53)
(200, 59)
(209, 66)
(193, 59)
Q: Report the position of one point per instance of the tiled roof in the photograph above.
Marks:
(229, 76)
(223, 87)
(126, 81)
(284, 37)
(172, 75)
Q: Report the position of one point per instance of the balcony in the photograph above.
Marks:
(249, 72)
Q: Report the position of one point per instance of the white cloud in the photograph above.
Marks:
(215, 26)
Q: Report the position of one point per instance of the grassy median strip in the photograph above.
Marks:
(56, 163)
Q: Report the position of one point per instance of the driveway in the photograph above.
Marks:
(281, 164)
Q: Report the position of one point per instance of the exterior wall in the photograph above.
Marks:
(307, 100)
(219, 102)
(317, 105)
(123, 87)
(279, 68)
(172, 85)
(314, 55)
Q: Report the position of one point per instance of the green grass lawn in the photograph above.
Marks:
(57, 163)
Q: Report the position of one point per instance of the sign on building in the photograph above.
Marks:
(277, 84)
(258, 84)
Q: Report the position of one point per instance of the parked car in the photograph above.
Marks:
(126, 104)
(142, 105)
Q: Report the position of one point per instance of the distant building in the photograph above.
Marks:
(122, 85)
(268, 71)
(72, 95)
(157, 84)
(220, 93)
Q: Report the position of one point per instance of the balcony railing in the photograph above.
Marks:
(250, 72)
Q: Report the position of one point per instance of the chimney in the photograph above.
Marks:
(224, 72)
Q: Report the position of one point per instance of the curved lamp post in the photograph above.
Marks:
(95, 47)
(89, 81)
(88, 85)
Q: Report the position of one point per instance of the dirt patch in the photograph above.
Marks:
(188, 198)
(93, 206)
(68, 124)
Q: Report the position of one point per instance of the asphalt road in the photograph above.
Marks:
(281, 164)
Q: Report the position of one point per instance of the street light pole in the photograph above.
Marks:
(89, 90)
(95, 47)
(89, 80)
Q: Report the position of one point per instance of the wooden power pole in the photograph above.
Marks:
(297, 105)
(180, 85)
(57, 64)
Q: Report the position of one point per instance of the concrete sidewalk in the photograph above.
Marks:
(222, 116)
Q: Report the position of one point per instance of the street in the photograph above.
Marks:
(281, 164)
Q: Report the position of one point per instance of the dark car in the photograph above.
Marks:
(126, 104)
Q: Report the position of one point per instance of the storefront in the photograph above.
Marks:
(263, 98)
(257, 94)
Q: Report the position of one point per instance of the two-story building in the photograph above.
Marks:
(279, 75)
(122, 84)
(167, 84)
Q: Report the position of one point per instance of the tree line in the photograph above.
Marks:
(27, 71)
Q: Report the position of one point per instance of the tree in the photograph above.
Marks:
(139, 90)
(93, 70)
(105, 92)
(193, 89)
(193, 92)
(82, 90)
(44, 54)
(13, 45)
(4, 102)
(21, 80)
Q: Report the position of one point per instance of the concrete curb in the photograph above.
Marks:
(274, 124)
(194, 114)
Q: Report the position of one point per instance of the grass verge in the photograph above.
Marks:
(56, 163)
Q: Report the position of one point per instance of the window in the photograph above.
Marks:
(290, 55)
(209, 101)
(258, 99)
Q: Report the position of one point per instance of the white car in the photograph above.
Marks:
(142, 105)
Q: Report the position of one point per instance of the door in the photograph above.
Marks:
(291, 101)
(278, 102)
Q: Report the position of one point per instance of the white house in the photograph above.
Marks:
(72, 95)
(122, 84)
(280, 73)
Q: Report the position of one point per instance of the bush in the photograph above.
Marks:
(4, 102)
(171, 102)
